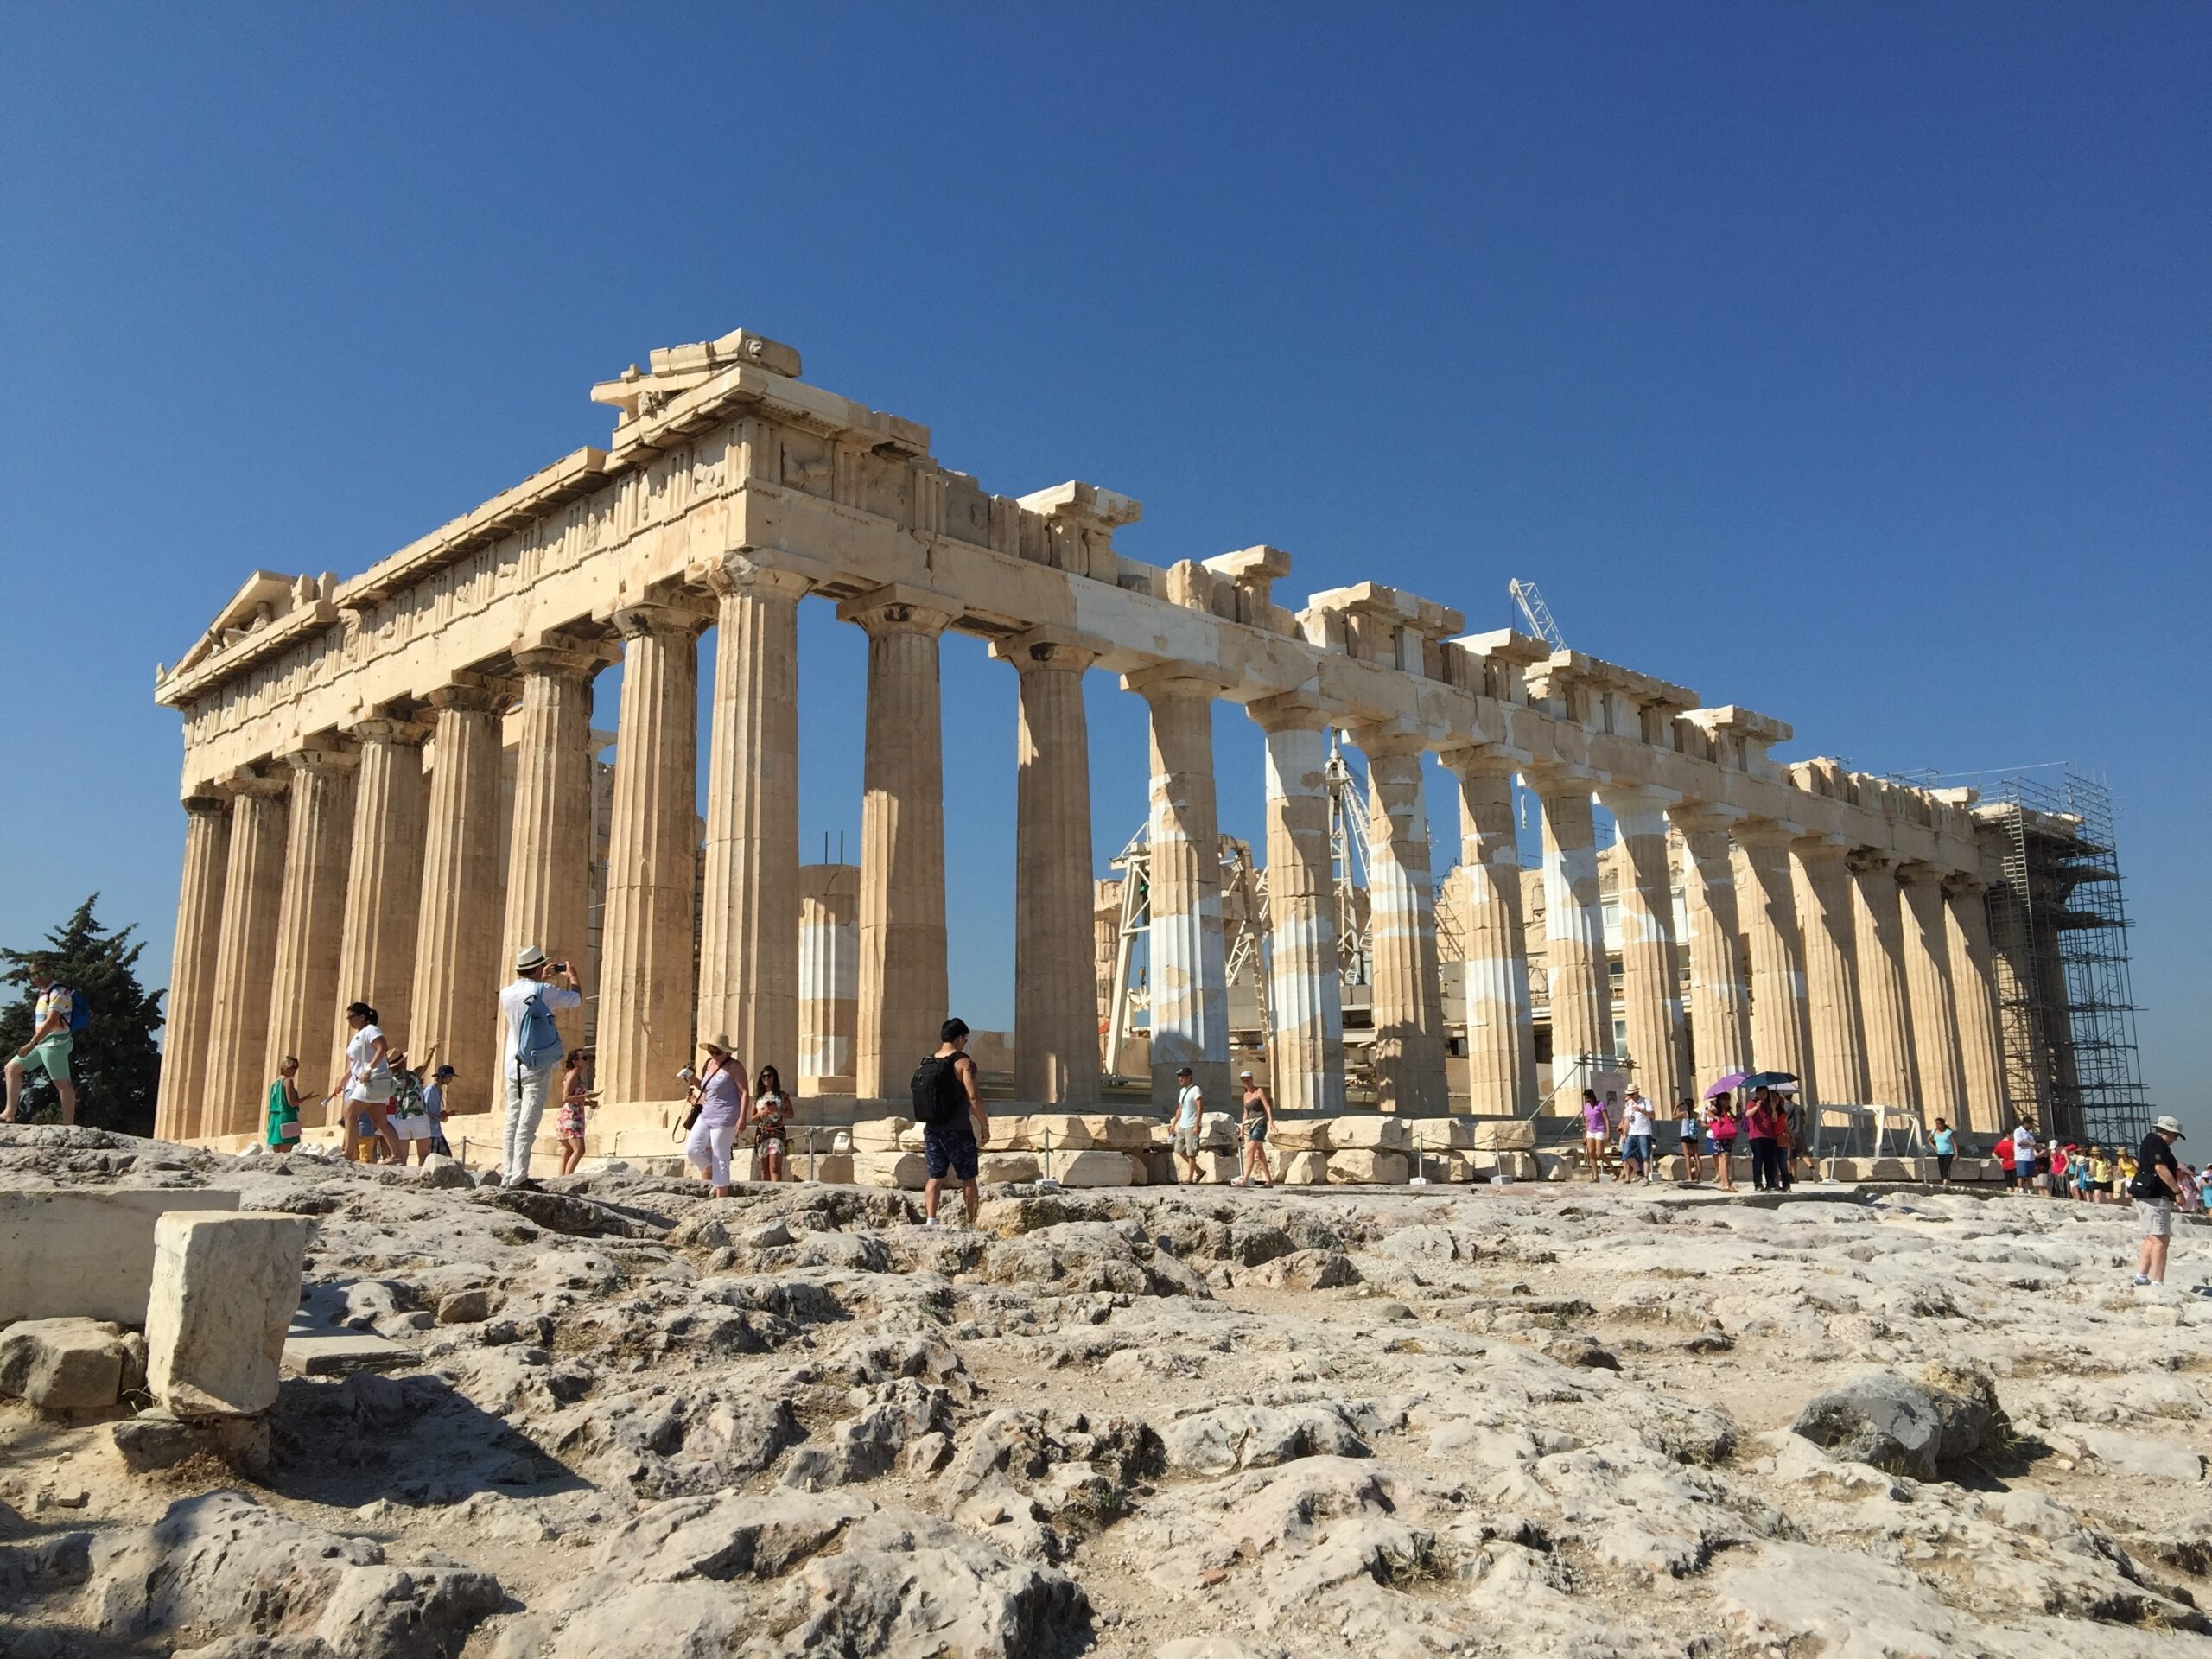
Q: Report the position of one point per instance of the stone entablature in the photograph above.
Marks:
(739, 458)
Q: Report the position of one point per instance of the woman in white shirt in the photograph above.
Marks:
(368, 1078)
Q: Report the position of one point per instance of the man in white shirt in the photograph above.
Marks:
(527, 1081)
(1189, 1106)
(2023, 1157)
(1636, 1137)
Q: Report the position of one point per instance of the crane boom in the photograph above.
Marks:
(1539, 614)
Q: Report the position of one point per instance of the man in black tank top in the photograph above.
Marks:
(954, 1149)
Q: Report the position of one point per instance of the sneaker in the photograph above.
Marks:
(932, 1221)
(2141, 1279)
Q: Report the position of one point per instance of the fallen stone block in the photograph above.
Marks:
(899, 1171)
(440, 1171)
(1378, 1133)
(1517, 1165)
(1904, 1424)
(88, 1253)
(1300, 1135)
(465, 1307)
(224, 1289)
(342, 1354)
(1007, 1166)
(1303, 1169)
(64, 1364)
(1099, 1166)
(154, 1441)
(1504, 1134)
(1361, 1167)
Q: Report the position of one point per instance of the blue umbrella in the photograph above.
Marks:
(1767, 1079)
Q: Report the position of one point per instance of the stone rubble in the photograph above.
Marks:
(1157, 1422)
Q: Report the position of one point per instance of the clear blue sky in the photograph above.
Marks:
(1850, 363)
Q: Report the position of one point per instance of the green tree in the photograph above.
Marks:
(116, 1065)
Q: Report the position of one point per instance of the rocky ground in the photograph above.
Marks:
(1157, 1422)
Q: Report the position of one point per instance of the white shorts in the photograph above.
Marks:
(420, 1127)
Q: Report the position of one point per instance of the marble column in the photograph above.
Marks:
(748, 938)
(1650, 955)
(1827, 919)
(1189, 972)
(1891, 1079)
(1055, 993)
(384, 893)
(1408, 997)
(245, 957)
(646, 1003)
(1575, 932)
(1974, 985)
(902, 969)
(829, 976)
(550, 840)
(454, 1003)
(190, 1009)
(1721, 1002)
(1766, 894)
(1306, 1041)
(1500, 1020)
(311, 915)
(1929, 991)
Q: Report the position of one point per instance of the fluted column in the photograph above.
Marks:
(1974, 983)
(1891, 1079)
(1927, 989)
(1306, 1046)
(246, 959)
(1408, 999)
(1189, 973)
(1500, 1020)
(383, 891)
(1650, 955)
(1721, 1002)
(1766, 892)
(1827, 919)
(902, 969)
(829, 976)
(646, 1002)
(457, 970)
(748, 938)
(1574, 928)
(549, 841)
(1055, 995)
(189, 1010)
(311, 915)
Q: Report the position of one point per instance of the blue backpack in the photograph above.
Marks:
(537, 1039)
(80, 1013)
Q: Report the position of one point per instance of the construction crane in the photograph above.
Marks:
(1539, 614)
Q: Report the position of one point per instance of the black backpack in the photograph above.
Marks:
(939, 1096)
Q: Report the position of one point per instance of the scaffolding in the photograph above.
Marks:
(2058, 925)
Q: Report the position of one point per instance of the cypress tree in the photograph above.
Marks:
(117, 1064)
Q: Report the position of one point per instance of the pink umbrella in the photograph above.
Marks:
(1731, 1081)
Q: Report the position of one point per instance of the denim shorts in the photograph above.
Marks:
(1637, 1146)
(950, 1148)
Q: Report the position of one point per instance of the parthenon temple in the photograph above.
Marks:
(391, 784)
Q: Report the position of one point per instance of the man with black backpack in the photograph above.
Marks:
(57, 1016)
(949, 1106)
(531, 1053)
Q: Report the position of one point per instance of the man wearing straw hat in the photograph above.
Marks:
(2156, 1185)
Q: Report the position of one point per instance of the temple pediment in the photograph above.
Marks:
(270, 608)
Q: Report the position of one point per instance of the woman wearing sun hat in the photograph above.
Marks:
(719, 1109)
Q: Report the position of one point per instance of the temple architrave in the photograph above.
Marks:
(390, 783)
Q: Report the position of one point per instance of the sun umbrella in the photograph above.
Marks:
(1767, 1079)
(1732, 1080)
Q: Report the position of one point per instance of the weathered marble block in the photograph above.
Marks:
(224, 1289)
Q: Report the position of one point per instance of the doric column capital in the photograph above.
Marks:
(897, 608)
(469, 693)
(1826, 850)
(1045, 649)
(1625, 799)
(1960, 884)
(741, 572)
(1551, 778)
(327, 755)
(1763, 833)
(243, 783)
(674, 616)
(1870, 860)
(208, 801)
(562, 656)
(1294, 711)
(1175, 682)
(1914, 873)
(1704, 817)
(1389, 740)
(385, 729)
(1483, 759)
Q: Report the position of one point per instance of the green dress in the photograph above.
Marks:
(282, 1112)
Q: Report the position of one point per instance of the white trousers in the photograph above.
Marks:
(709, 1148)
(526, 1099)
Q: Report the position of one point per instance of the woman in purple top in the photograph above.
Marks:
(1597, 1129)
(719, 1101)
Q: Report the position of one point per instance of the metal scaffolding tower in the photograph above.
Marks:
(2058, 922)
